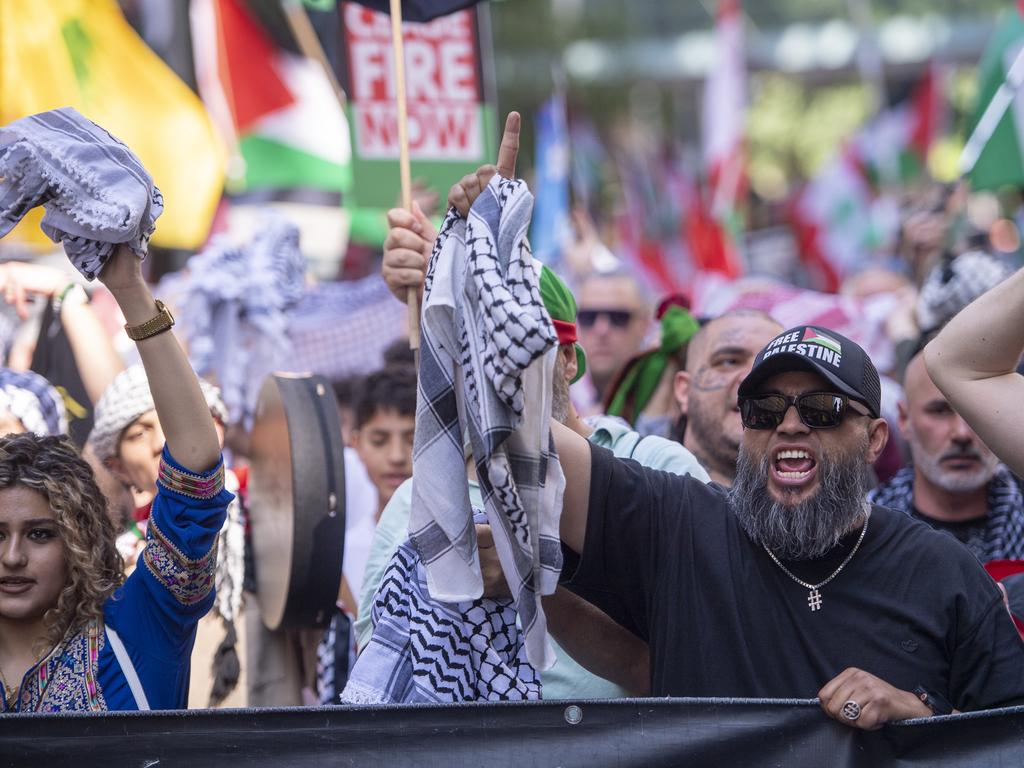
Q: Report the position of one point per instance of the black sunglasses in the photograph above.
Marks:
(817, 410)
(618, 318)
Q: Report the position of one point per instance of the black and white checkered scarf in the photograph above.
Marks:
(999, 536)
(424, 650)
(486, 366)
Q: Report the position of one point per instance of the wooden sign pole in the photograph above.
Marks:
(405, 170)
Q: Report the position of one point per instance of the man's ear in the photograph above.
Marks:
(681, 388)
(904, 417)
(568, 352)
(878, 436)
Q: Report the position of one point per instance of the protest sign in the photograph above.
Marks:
(451, 121)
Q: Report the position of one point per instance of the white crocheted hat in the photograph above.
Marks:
(127, 398)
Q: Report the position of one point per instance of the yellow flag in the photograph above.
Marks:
(84, 54)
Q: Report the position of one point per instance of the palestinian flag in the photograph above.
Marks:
(276, 109)
(894, 146)
(1001, 161)
(815, 337)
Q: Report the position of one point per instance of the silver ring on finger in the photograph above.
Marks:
(851, 710)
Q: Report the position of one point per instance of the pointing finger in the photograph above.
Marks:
(508, 152)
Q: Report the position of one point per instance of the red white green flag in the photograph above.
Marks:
(836, 220)
(997, 151)
(277, 110)
(723, 130)
(894, 146)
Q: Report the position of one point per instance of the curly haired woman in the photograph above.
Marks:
(72, 635)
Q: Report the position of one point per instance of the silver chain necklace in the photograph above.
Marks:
(814, 596)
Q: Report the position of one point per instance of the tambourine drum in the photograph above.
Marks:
(297, 500)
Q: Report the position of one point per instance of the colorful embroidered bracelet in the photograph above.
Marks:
(189, 484)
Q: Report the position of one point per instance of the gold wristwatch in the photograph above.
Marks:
(163, 321)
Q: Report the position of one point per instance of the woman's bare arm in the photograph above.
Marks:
(974, 360)
(180, 405)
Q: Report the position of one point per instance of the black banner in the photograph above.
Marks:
(636, 732)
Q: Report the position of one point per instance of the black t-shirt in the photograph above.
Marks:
(971, 533)
(912, 607)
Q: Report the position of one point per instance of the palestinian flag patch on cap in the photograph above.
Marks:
(815, 337)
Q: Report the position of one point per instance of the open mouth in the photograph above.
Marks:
(793, 466)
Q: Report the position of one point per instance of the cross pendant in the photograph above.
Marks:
(814, 600)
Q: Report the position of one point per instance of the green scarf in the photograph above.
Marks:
(643, 374)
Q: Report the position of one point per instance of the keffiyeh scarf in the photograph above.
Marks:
(998, 536)
(951, 286)
(488, 349)
(423, 650)
(33, 401)
(235, 318)
(95, 191)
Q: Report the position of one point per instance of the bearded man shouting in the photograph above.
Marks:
(790, 584)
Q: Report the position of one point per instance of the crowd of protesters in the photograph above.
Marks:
(744, 503)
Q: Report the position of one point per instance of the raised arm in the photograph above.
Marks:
(574, 455)
(95, 357)
(974, 360)
(183, 412)
(411, 235)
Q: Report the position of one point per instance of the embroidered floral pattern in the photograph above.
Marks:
(189, 581)
(67, 679)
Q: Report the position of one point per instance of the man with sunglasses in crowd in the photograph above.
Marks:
(613, 319)
(790, 584)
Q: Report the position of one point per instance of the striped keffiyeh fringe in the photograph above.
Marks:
(237, 301)
(486, 365)
(95, 191)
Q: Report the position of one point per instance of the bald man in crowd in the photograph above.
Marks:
(718, 358)
(954, 482)
(613, 320)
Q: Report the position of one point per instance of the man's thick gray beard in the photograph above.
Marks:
(811, 528)
(953, 482)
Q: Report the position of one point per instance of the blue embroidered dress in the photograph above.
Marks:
(154, 613)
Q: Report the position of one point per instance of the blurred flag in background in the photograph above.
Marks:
(277, 110)
(84, 54)
(723, 133)
(551, 232)
(1002, 160)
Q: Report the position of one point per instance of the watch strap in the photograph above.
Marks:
(934, 701)
(163, 321)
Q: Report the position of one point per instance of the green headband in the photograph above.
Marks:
(561, 305)
(637, 385)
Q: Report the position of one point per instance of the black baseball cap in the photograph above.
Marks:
(818, 350)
